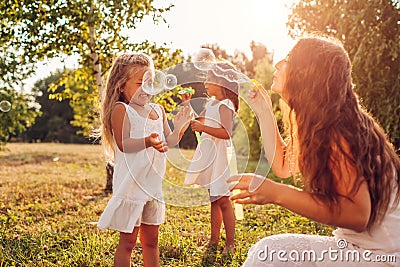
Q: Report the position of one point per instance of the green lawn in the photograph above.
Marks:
(51, 195)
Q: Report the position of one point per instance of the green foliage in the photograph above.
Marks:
(48, 220)
(81, 92)
(55, 28)
(14, 67)
(19, 118)
(238, 59)
(95, 31)
(54, 123)
(371, 34)
(251, 145)
(81, 89)
(169, 100)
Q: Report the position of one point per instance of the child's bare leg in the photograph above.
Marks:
(149, 241)
(127, 242)
(216, 222)
(228, 216)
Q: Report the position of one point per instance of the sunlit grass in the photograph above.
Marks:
(50, 195)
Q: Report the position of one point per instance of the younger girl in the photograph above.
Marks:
(209, 167)
(132, 133)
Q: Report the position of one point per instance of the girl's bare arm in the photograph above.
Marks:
(223, 132)
(121, 130)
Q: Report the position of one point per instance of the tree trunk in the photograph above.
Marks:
(100, 86)
(110, 172)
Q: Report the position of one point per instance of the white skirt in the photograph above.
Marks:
(123, 215)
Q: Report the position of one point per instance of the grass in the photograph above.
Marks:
(50, 195)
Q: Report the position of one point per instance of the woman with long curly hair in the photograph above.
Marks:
(350, 171)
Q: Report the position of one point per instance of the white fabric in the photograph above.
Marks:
(137, 181)
(310, 251)
(382, 237)
(209, 166)
(381, 242)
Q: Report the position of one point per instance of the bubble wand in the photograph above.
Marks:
(255, 84)
(230, 153)
(191, 91)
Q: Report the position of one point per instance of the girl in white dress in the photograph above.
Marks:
(350, 171)
(209, 166)
(136, 134)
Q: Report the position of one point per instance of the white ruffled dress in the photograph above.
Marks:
(137, 182)
(209, 167)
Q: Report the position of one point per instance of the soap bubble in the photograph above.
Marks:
(228, 74)
(171, 81)
(154, 82)
(5, 106)
(204, 59)
(200, 72)
(242, 78)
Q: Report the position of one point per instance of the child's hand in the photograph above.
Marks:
(152, 140)
(196, 126)
(186, 98)
(182, 118)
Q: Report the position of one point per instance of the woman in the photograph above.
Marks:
(350, 172)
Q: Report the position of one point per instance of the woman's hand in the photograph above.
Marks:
(260, 100)
(182, 118)
(153, 141)
(254, 189)
(196, 126)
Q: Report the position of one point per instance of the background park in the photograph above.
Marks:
(53, 176)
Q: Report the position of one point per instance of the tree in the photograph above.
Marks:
(262, 70)
(371, 34)
(16, 119)
(93, 30)
(54, 123)
(14, 68)
(238, 59)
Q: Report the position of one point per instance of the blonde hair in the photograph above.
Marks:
(123, 68)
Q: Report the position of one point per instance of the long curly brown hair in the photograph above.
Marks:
(331, 124)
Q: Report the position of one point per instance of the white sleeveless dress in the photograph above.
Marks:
(209, 166)
(137, 182)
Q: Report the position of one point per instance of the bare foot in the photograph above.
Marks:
(210, 246)
(229, 249)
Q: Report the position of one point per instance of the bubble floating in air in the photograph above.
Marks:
(154, 82)
(170, 81)
(228, 74)
(5, 106)
(204, 59)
